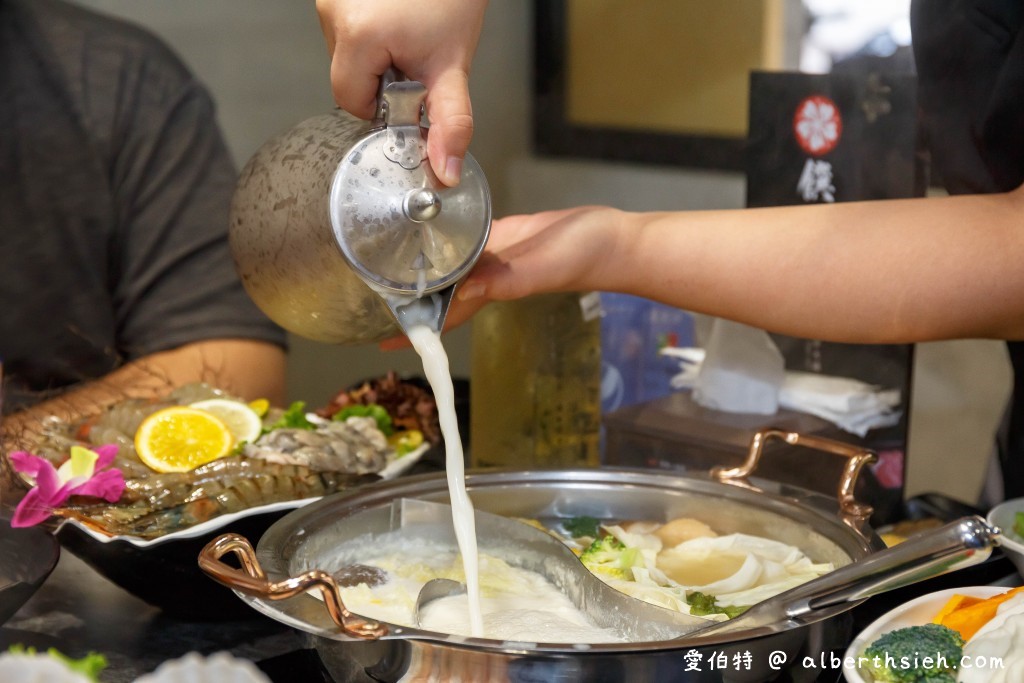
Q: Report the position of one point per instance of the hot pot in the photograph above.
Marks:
(279, 577)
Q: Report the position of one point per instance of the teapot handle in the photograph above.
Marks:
(391, 75)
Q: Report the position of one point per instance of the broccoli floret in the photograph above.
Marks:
(611, 557)
(582, 527)
(89, 666)
(702, 604)
(901, 656)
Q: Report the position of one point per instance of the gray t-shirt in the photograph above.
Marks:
(115, 186)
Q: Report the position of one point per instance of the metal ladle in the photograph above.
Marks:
(529, 548)
(956, 545)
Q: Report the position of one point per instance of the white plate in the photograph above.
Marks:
(914, 613)
(1003, 516)
(393, 469)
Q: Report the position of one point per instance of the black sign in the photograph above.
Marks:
(835, 138)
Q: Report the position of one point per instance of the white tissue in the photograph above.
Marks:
(742, 371)
(852, 405)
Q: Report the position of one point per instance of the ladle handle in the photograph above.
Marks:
(252, 580)
(956, 545)
(962, 543)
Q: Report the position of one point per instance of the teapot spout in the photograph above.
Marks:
(429, 310)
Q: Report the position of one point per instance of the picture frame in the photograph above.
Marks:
(579, 113)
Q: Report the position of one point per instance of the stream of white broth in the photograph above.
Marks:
(428, 345)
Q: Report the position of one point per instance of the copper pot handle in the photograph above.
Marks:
(252, 580)
(857, 457)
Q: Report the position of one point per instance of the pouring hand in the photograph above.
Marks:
(431, 42)
(554, 251)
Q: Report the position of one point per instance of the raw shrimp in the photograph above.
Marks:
(355, 445)
(262, 484)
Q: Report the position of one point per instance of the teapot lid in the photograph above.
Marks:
(401, 229)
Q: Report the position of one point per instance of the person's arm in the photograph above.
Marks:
(431, 42)
(244, 368)
(873, 272)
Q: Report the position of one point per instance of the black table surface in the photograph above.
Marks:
(79, 611)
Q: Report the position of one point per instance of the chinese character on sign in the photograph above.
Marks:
(817, 126)
(815, 182)
(692, 659)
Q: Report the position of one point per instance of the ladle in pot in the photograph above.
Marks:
(956, 545)
(959, 544)
(529, 548)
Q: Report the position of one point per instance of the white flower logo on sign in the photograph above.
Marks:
(817, 127)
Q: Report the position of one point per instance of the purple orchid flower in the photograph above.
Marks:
(83, 474)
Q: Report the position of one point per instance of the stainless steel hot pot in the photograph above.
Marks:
(277, 578)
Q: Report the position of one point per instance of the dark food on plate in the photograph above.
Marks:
(410, 406)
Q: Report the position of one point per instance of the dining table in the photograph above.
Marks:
(79, 611)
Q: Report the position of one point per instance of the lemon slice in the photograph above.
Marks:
(260, 406)
(242, 421)
(180, 439)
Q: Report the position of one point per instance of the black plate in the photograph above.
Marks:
(27, 556)
(167, 574)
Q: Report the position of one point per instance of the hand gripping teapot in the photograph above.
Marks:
(342, 233)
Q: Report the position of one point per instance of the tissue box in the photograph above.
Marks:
(675, 433)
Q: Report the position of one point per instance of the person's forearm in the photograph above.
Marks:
(892, 271)
(248, 369)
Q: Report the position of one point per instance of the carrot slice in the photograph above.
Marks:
(958, 601)
(968, 619)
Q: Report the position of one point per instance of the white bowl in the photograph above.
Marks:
(914, 613)
(1003, 516)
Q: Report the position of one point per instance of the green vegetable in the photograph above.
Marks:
(900, 656)
(582, 526)
(89, 666)
(406, 442)
(293, 418)
(1018, 524)
(370, 410)
(702, 604)
(609, 556)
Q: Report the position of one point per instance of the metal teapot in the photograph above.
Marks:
(342, 233)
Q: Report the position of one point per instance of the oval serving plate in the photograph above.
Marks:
(394, 469)
(914, 613)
